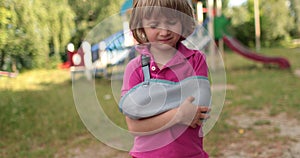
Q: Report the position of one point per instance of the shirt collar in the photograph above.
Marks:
(182, 52)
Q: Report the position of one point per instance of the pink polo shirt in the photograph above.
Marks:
(178, 141)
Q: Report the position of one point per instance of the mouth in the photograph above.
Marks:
(166, 40)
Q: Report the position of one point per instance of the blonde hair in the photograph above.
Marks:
(181, 9)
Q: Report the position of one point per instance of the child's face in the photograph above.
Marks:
(163, 31)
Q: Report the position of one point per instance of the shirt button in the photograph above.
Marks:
(153, 68)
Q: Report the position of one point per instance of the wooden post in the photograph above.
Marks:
(219, 7)
(210, 7)
(257, 25)
(219, 13)
(199, 12)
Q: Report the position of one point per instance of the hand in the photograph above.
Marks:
(202, 115)
(190, 114)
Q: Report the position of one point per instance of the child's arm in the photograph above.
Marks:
(187, 114)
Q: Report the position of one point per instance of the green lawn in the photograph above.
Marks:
(256, 87)
(38, 115)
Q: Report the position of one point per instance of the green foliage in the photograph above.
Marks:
(295, 14)
(35, 33)
(4, 22)
(31, 29)
(242, 24)
(89, 13)
(275, 20)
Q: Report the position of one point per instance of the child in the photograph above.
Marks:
(159, 26)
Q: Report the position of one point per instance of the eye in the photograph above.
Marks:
(172, 22)
(153, 25)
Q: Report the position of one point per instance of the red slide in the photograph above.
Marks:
(239, 48)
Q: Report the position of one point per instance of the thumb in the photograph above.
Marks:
(190, 99)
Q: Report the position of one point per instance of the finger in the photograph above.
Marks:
(204, 116)
(193, 123)
(208, 109)
(203, 109)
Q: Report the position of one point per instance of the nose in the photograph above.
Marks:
(164, 32)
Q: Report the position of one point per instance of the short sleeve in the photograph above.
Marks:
(132, 75)
(200, 64)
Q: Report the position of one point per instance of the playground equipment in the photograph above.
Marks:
(75, 59)
(220, 24)
(115, 50)
(111, 53)
(218, 31)
(104, 55)
(8, 74)
(239, 48)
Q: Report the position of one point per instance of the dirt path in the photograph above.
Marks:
(89, 147)
(264, 136)
(297, 72)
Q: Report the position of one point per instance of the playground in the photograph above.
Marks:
(260, 117)
(114, 50)
(249, 113)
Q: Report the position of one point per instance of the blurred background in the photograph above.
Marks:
(37, 113)
(34, 34)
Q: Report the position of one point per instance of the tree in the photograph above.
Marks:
(89, 13)
(295, 13)
(34, 33)
(242, 24)
(31, 29)
(7, 21)
(61, 27)
(276, 22)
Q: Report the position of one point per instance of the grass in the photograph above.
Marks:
(38, 116)
(257, 87)
(260, 87)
